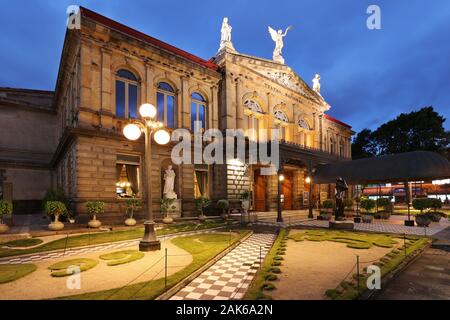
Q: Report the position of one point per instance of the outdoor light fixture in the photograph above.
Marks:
(308, 180)
(133, 131)
(281, 177)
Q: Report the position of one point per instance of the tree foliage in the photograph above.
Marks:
(417, 130)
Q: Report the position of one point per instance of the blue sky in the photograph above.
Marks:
(368, 76)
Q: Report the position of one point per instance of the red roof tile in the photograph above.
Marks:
(142, 36)
(328, 117)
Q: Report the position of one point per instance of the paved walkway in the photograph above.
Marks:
(89, 249)
(426, 278)
(230, 277)
(382, 227)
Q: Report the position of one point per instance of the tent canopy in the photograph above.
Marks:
(401, 167)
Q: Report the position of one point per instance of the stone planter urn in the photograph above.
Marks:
(130, 222)
(202, 218)
(245, 204)
(94, 223)
(367, 218)
(423, 220)
(3, 228)
(56, 225)
(167, 220)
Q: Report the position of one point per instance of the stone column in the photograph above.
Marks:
(215, 106)
(185, 103)
(239, 107)
(149, 92)
(321, 146)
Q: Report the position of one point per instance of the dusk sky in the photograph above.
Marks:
(368, 76)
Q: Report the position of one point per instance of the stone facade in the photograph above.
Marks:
(85, 147)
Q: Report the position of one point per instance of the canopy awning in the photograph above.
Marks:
(401, 167)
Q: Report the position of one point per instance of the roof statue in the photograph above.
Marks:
(278, 36)
(225, 36)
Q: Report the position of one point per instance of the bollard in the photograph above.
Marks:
(165, 271)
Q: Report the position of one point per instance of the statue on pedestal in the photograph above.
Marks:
(316, 83)
(225, 36)
(341, 187)
(278, 36)
(169, 183)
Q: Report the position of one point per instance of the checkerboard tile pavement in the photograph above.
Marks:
(381, 227)
(230, 277)
(84, 250)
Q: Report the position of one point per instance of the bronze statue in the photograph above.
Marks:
(341, 187)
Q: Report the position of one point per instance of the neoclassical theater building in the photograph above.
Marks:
(72, 138)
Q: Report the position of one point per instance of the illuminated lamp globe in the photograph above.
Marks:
(162, 137)
(147, 110)
(132, 131)
(308, 180)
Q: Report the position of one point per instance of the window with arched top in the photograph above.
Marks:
(332, 146)
(253, 105)
(341, 148)
(165, 104)
(198, 110)
(302, 123)
(127, 94)
(280, 115)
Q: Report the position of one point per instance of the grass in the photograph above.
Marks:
(260, 285)
(122, 257)
(349, 290)
(414, 211)
(24, 242)
(202, 247)
(63, 268)
(12, 272)
(353, 240)
(110, 236)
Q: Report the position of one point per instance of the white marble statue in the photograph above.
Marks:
(278, 36)
(169, 183)
(316, 83)
(225, 36)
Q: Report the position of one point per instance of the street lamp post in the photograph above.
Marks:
(133, 131)
(308, 180)
(279, 203)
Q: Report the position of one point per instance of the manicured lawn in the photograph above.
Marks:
(111, 236)
(349, 290)
(12, 272)
(261, 283)
(122, 257)
(60, 269)
(414, 212)
(202, 247)
(353, 240)
(24, 243)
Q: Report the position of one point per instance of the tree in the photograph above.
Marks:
(417, 130)
(363, 145)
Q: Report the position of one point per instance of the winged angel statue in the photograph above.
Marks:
(278, 36)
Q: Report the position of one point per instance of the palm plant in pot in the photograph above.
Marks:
(133, 205)
(201, 203)
(223, 205)
(166, 207)
(367, 205)
(422, 219)
(95, 208)
(6, 207)
(55, 209)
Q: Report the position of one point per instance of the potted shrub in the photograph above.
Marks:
(423, 219)
(348, 207)
(6, 207)
(132, 205)
(166, 207)
(55, 209)
(367, 205)
(95, 208)
(386, 204)
(223, 205)
(245, 200)
(201, 203)
(436, 215)
(324, 215)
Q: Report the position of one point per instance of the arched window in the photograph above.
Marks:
(332, 146)
(280, 115)
(253, 105)
(127, 94)
(165, 102)
(198, 110)
(302, 123)
(252, 120)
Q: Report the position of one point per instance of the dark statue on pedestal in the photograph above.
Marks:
(341, 187)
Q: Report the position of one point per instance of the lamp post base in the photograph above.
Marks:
(149, 242)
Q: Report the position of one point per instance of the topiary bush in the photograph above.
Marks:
(421, 204)
(94, 208)
(55, 209)
(367, 204)
(348, 204)
(328, 204)
(6, 207)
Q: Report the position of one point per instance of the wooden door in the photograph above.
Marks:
(286, 189)
(259, 192)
